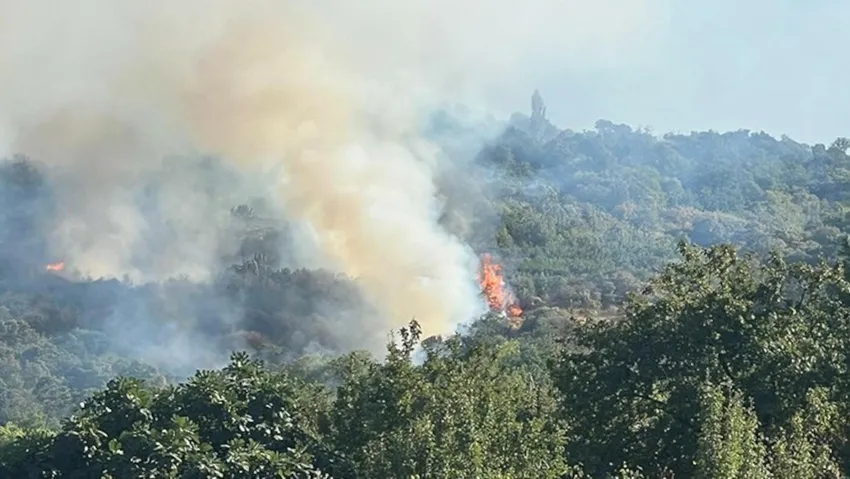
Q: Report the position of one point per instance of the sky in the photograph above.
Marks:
(773, 65)
(780, 66)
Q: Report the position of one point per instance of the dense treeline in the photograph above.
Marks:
(687, 314)
(589, 215)
(726, 366)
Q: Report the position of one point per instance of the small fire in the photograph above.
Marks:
(59, 266)
(499, 297)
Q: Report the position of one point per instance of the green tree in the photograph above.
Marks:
(773, 331)
(462, 413)
(240, 422)
(730, 444)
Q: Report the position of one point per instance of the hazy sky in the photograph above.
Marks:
(776, 65)
(782, 66)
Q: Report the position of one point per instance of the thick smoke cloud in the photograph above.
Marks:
(315, 104)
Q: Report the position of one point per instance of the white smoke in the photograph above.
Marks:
(320, 99)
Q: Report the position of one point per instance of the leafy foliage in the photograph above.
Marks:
(241, 421)
(771, 333)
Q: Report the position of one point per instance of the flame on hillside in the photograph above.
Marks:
(495, 290)
(55, 267)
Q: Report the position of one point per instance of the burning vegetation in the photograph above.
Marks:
(499, 296)
(56, 267)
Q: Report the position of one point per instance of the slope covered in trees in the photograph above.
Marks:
(728, 358)
(587, 214)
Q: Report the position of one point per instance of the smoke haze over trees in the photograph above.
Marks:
(248, 245)
(578, 219)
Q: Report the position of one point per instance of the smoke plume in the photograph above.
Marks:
(312, 103)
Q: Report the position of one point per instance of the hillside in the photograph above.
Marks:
(729, 364)
(587, 214)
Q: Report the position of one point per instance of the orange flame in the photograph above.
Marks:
(59, 266)
(499, 297)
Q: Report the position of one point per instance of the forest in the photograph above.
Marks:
(685, 313)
